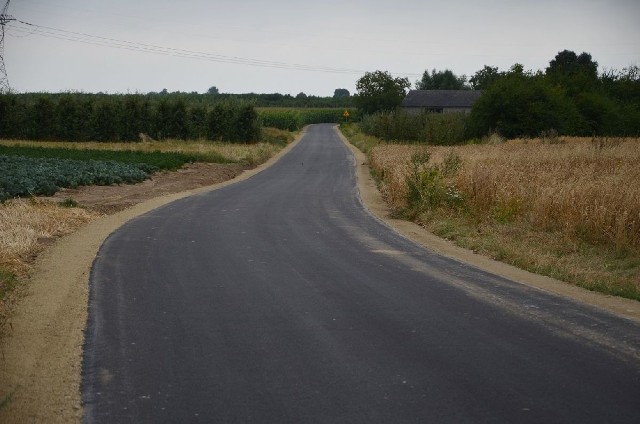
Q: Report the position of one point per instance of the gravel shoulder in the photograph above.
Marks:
(40, 358)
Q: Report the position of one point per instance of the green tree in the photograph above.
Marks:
(623, 88)
(623, 85)
(576, 73)
(441, 80)
(246, 124)
(522, 104)
(380, 91)
(136, 117)
(171, 119)
(104, 125)
(197, 122)
(483, 78)
(213, 91)
(341, 92)
(73, 114)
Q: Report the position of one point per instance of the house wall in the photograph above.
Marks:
(457, 110)
(419, 110)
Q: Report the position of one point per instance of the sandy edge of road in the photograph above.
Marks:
(41, 358)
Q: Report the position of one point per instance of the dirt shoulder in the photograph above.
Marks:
(40, 358)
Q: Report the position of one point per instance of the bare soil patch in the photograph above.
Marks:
(110, 199)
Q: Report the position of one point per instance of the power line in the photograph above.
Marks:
(27, 28)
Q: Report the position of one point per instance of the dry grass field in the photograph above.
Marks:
(24, 224)
(566, 207)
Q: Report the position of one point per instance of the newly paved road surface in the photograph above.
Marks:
(282, 300)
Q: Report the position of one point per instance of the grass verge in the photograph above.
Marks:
(359, 139)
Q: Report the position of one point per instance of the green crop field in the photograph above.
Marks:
(293, 119)
(160, 160)
(32, 171)
(25, 176)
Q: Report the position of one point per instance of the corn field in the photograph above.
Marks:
(295, 119)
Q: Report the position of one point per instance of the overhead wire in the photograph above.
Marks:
(80, 37)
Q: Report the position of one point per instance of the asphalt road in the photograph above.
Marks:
(282, 300)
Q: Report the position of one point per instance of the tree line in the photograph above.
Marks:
(570, 97)
(341, 98)
(100, 117)
(77, 116)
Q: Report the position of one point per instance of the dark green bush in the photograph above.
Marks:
(570, 97)
(522, 105)
(430, 128)
(295, 119)
(429, 185)
(100, 117)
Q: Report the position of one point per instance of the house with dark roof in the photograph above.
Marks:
(440, 101)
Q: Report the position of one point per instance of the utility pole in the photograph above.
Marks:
(4, 18)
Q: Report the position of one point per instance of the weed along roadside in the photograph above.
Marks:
(564, 210)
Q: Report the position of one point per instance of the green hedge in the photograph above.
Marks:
(295, 119)
(430, 128)
(84, 117)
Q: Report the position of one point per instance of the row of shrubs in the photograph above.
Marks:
(531, 114)
(295, 119)
(525, 104)
(101, 117)
(79, 117)
(431, 128)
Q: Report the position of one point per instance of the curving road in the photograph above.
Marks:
(280, 299)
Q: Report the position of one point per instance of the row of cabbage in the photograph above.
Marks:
(25, 176)
(36, 171)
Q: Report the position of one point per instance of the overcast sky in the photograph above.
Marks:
(289, 46)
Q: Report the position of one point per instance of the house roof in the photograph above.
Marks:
(441, 98)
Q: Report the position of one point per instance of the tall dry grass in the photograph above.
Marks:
(25, 223)
(569, 208)
(585, 188)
